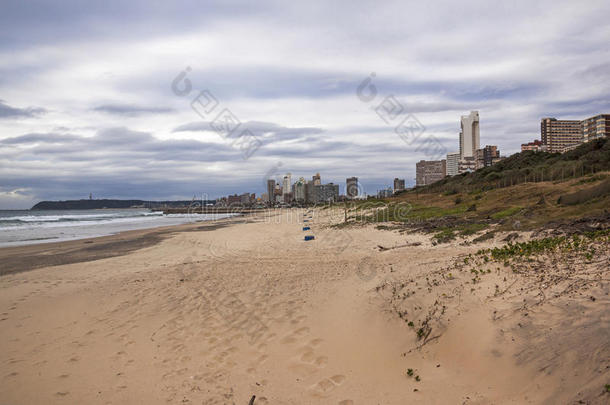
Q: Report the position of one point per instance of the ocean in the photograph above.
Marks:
(29, 227)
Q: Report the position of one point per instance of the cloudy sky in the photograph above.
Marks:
(166, 100)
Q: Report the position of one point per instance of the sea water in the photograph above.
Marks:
(28, 227)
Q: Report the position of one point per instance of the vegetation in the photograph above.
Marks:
(508, 212)
(577, 243)
(475, 205)
(528, 166)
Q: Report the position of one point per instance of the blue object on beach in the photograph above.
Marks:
(309, 237)
(306, 228)
(305, 220)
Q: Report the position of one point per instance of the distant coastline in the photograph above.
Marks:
(112, 204)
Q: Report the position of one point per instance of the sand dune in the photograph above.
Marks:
(251, 309)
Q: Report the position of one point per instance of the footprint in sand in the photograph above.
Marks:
(327, 385)
(298, 319)
(295, 335)
(315, 342)
(346, 402)
(260, 360)
(308, 362)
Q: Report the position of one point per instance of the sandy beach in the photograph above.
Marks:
(226, 311)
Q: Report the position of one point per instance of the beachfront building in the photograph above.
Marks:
(310, 196)
(558, 135)
(453, 160)
(278, 198)
(385, 193)
(536, 146)
(299, 190)
(286, 186)
(486, 156)
(270, 191)
(326, 192)
(466, 165)
(596, 127)
(316, 179)
(399, 184)
(429, 171)
(469, 134)
(351, 187)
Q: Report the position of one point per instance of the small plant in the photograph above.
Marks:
(410, 372)
(411, 324)
(417, 378)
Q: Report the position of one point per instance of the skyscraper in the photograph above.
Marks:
(310, 196)
(469, 135)
(316, 179)
(299, 190)
(270, 191)
(351, 187)
(287, 184)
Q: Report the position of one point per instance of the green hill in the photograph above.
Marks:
(528, 166)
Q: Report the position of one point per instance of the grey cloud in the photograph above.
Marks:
(130, 110)
(118, 145)
(6, 111)
(267, 132)
(39, 137)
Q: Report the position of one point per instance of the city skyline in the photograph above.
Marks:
(95, 100)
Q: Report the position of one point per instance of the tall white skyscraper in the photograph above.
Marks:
(286, 189)
(469, 135)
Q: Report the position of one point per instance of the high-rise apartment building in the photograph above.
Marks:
(491, 155)
(399, 184)
(429, 171)
(558, 135)
(299, 190)
(326, 192)
(270, 191)
(596, 127)
(453, 160)
(469, 134)
(278, 193)
(486, 156)
(351, 187)
(310, 196)
(287, 184)
(316, 179)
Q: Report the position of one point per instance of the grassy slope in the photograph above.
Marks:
(500, 196)
(530, 166)
(526, 206)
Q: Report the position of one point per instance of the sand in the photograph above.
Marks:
(220, 312)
